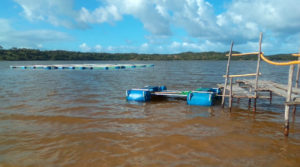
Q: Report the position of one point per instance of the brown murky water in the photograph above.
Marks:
(81, 118)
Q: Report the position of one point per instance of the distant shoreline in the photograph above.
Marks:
(37, 55)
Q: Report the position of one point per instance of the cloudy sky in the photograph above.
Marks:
(150, 26)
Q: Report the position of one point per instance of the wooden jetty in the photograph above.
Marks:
(252, 89)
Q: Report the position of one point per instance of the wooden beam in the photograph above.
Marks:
(241, 75)
(243, 54)
(258, 63)
(257, 71)
(227, 73)
(297, 83)
(288, 99)
(230, 95)
(249, 103)
(297, 75)
(292, 103)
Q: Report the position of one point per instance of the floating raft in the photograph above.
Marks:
(200, 96)
(83, 66)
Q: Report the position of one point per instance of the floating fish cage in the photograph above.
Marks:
(83, 66)
(199, 97)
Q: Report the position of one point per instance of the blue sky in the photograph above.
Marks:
(156, 26)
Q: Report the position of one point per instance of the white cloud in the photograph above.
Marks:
(275, 15)
(148, 12)
(197, 17)
(40, 45)
(241, 21)
(175, 44)
(98, 48)
(5, 25)
(84, 47)
(10, 37)
(56, 12)
(110, 49)
(100, 15)
(145, 45)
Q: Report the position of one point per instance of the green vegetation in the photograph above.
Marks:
(15, 54)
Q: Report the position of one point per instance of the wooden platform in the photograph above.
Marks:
(276, 88)
(237, 91)
(170, 94)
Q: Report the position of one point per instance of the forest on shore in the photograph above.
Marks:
(22, 54)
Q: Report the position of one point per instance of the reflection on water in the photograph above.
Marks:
(81, 118)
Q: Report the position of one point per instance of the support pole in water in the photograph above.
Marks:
(288, 99)
(227, 73)
(257, 71)
(271, 97)
(254, 105)
(296, 85)
(230, 95)
(249, 103)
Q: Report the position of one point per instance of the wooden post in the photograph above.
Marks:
(257, 71)
(296, 85)
(249, 103)
(227, 73)
(254, 104)
(288, 99)
(230, 95)
(297, 75)
(270, 97)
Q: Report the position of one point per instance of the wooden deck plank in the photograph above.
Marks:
(276, 88)
(237, 91)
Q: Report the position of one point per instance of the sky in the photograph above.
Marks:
(151, 26)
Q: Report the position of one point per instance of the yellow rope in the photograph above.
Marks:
(296, 54)
(278, 63)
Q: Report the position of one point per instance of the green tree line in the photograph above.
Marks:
(16, 54)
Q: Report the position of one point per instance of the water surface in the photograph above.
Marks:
(81, 118)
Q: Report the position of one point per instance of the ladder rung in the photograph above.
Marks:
(241, 75)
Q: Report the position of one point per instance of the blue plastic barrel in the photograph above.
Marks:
(152, 88)
(216, 90)
(200, 98)
(162, 88)
(138, 95)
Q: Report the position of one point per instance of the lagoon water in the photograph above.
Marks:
(81, 118)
